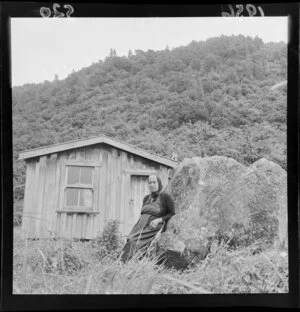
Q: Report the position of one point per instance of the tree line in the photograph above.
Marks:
(208, 98)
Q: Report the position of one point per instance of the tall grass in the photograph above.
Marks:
(60, 266)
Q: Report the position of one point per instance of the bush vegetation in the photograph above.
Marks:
(109, 242)
(206, 98)
(62, 266)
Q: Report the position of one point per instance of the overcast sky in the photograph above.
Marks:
(43, 47)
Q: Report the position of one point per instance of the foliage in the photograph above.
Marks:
(64, 258)
(222, 271)
(210, 97)
(109, 241)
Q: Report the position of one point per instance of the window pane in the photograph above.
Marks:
(86, 175)
(86, 198)
(73, 175)
(72, 197)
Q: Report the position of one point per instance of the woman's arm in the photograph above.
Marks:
(169, 206)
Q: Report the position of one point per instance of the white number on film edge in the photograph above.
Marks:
(225, 14)
(251, 9)
(261, 11)
(46, 12)
(240, 9)
(71, 10)
(57, 14)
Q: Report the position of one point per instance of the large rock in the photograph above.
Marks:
(219, 197)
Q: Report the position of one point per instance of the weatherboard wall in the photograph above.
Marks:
(43, 214)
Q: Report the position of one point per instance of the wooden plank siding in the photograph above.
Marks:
(78, 225)
(127, 205)
(123, 194)
(102, 191)
(71, 155)
(34, 215)
(107, 188)
(118, 176)
(62, 217)
(112, 184)
(118, 185)
(163, 173)
(73, 229)
(68, 227)
(28, 220)
(49, 199)
(83, 232)
(56, 216)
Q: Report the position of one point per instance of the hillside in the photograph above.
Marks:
(207, 98)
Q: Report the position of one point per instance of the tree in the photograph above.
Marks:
(199, 89)
(207, 98)
(209, 62)
(112, 52)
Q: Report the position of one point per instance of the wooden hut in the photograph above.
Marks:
(73, 189)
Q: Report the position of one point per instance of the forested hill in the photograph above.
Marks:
(210, 97)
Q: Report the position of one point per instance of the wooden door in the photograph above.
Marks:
(138, 190)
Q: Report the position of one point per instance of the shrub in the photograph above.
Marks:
(108, 243)
(58, 257)
(59, 267)
(63, 258)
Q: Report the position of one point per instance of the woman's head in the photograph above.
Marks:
(154, 183)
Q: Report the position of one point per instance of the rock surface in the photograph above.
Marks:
(218, 197)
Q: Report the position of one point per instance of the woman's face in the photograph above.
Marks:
(153, 184)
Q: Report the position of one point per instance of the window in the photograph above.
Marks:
(79, 187)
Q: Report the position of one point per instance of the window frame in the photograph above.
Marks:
(64, 186)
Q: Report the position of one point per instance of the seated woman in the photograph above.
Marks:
(158, 208)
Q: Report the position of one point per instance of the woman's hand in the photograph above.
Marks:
(154, 223)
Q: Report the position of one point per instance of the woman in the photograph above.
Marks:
(158, 208)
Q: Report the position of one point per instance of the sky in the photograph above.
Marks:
(44, 47)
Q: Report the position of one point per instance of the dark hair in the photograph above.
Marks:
(160, 186)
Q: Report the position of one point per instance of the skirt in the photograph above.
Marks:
(140, 237)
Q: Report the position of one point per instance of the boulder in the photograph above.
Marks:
(219, 198)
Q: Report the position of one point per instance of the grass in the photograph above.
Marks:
(74, 267)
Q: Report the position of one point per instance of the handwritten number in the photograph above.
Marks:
(231, 10)
(71, 10)
(45, 12)
(56, 13)
(225, 14)
(251, 9)
(240, 9)
(229, 14)
(261, 11)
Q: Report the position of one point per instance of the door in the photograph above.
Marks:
(138, 190)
